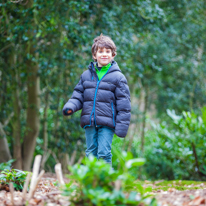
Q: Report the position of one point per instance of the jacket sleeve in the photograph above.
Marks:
(123, 108)
(75, 103)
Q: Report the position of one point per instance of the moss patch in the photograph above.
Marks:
(175, 184)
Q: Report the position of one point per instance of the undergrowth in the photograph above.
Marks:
(17, 177)
(95, 183)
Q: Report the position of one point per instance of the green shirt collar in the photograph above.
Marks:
(104, 68)
(103, 71)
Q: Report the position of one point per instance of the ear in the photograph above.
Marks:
(94, 57)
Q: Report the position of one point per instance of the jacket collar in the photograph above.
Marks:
(114, 67)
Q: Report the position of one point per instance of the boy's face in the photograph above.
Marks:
(103, 56)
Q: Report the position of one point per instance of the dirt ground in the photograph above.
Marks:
(173, 196)
(47, 193)
(182, 198)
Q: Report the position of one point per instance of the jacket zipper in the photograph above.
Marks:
(113, 114)
(93, 110)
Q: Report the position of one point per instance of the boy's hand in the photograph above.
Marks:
(68, 111)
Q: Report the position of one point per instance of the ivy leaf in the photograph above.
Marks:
(135, 162)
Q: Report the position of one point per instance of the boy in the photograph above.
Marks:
(103, 95)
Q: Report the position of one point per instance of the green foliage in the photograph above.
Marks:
(160, 46)
(96, 183)
(177, 150)
(180, 185)
(17, 177)
(6, 165)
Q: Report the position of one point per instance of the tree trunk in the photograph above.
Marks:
(4, 148)
(192, 94)
(33, 88)
(144, 120)
(32, 121)
(5, 154)
(196, 158)
(45, 134)
(16, 122)
(17, 131)
(131, 138)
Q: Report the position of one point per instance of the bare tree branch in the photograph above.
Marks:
(8, 119)
(18, 1)
(7, 46)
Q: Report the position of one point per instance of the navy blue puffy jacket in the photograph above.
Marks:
(103, 103)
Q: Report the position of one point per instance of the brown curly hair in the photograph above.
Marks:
(103, 42)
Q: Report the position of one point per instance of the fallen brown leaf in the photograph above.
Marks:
(171, 190)
(197, 201)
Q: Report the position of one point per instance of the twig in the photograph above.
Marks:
(7, 46)
(45, 158)
(117, 184)
(2, 125)
(80, 159)
(36, 167)
(72, 159)
(15, 1)
(54, 156)
(196, 158)
(11, 188)
(24, 3)
(32, 191)
(2, 133)
(25, 188)
(53, 193)
(58, 171)
(39, 177)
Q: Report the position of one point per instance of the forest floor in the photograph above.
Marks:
(167, 193)
(179, 193)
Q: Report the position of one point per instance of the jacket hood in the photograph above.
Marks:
(114, 67)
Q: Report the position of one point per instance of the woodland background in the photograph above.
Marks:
(46, 45)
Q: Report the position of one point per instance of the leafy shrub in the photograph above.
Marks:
(177, 149)
(6, 165)
(96, 183)
(17, 177)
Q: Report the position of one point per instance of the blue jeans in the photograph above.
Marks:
(99, 142)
